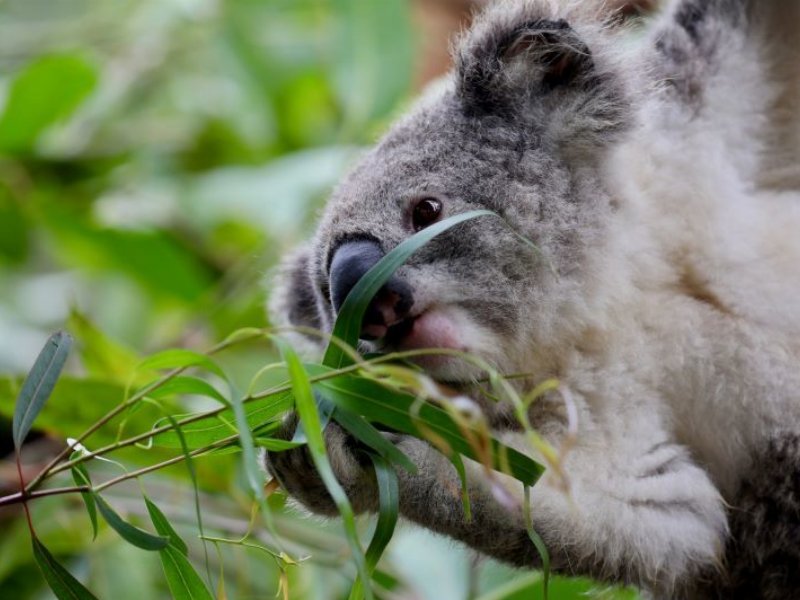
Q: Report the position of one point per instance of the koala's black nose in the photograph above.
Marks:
(390, 305)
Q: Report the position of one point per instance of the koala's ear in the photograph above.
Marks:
(518, 64)
(296, 302)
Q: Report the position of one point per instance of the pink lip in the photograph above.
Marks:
(431, 329)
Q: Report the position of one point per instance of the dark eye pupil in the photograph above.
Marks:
(426, 212)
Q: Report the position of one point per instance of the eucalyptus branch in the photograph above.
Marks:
(50, 467)
(20, 497)
(54, 468)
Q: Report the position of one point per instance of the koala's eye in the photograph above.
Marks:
(425, 212)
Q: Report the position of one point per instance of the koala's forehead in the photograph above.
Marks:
(438, 151)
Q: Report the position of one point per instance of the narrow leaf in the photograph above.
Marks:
(177, 358)
(359, 428)
(164, 527)
(307, 411)
(195, 488)
(394, 409)
(189, 385)
(348, 323)
(39, 384)
(388, 513)
(276, 445)
(81, 477)
(537, 540)
(183, 581)
(458, 463)
(207, 430)
(254, 473)
(47, 91)
(130, 533)
(61, 581)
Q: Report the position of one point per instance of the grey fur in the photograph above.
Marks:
(642, 178)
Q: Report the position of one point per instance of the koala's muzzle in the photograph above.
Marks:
(390, 306)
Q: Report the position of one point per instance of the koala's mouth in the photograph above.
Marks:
(396, 333)
(431, 329)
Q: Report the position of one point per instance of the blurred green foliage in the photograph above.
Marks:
(156, 159)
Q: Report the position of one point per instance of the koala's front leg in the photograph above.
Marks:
(638, 512)
(295, 471)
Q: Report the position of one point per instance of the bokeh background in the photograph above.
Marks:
(157, 157)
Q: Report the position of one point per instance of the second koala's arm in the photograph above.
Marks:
(639, 509)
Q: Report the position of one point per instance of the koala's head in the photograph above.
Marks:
(522, 128)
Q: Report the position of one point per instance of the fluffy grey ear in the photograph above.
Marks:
(296, 302)
(522, 62)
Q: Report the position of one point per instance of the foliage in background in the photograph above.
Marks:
(156, 158)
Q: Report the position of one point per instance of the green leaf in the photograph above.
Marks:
(537, 540)
(164, 527)
(47, 91)
(130, 533)
(207, 430)
(393, 409)
(348, 323)
(253, 472)
(183, 384)
(39, 384)
(388, 513)
(61, 581)
(458, 463)
(157, 259)
(177, 358)
(101, 356)
(276, 445)
(359, 428)
(307, 411)
(76, 404)
(183, 581)
(81, 477)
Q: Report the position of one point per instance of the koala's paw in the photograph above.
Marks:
(295, 471)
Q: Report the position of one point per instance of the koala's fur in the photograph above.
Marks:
(661, 184)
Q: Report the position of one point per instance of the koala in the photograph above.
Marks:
(660, 183)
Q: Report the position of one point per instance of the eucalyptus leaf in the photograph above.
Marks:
(394, 409)
(183, 384)
(39, 384)
(164, 527)
(46, 91)
(212, 428)
(388, 513)
(274, 445)
(183, 581)
(190, 466)
(61, 581)
(360, 429)
(80, 475)
(309, 416)
(253, 472)
(180, 358)
(130, 533)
